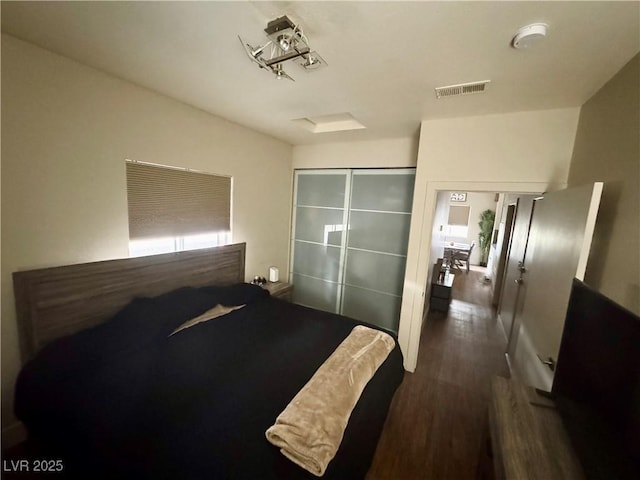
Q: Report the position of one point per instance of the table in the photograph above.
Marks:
(281, 290)
(451, 248)
(462, 247)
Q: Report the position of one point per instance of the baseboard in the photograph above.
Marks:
(425, 313)
(504, 330)
(13, 435)
(526, 365)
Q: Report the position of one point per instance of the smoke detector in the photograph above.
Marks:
(529, 35)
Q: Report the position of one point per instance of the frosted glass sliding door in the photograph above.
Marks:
(319, 224)
(376, 250)
(349, 241)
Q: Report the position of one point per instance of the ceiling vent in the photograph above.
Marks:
(462, 89)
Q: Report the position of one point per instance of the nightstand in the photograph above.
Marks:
(281, 290)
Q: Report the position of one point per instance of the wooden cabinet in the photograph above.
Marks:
(281, 290)
(440, 290)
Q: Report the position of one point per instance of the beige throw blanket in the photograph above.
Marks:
(210, 314)
(310, 428)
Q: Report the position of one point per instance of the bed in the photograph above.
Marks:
(111, 393)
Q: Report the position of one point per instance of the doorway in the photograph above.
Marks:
(420, 264)
(456, 241)
(512, 216)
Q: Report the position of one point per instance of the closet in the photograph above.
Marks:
(349, 241)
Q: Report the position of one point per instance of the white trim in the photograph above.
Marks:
(589, 229)
(321, 244)
(504, 330)
(385, 171)
(231, 203)
(317, 206)
(316, 278)
(526, 366)
(342, 267)
(379, 211)
(173, 167)
(292, 226)
(321, 171)
(377, 252)
(372, 290)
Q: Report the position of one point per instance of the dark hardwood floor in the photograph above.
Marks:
(437, 426)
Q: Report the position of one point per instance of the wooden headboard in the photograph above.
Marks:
(58, 301)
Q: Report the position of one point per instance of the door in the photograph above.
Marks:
(502, 249)
(376, 250)
(349, 241)
(321, 202)
(562, 225)
(510, 298)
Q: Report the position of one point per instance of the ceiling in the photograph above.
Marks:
(384, 58)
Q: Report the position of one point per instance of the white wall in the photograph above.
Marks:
(516, 152)
(440, 218)
(385, 153)
(608, 149)
(514, 147)
(66, 132)
(438, 230)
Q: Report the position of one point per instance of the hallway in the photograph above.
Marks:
(436, 428)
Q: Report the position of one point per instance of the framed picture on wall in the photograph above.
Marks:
(458, 196)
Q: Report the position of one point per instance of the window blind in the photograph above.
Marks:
(458, 215)
(170, 202)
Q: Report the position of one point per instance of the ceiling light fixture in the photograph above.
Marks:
(280, 73)
(313, 61)
(286, 42)
(529, 35)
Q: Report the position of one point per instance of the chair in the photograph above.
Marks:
(460, 258)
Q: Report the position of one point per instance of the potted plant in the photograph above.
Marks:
(487, 218)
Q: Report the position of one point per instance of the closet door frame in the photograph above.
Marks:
(349, 174)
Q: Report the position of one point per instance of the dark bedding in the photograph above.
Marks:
(124, 400)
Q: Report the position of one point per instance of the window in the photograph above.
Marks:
(172, 209)
(458, 223)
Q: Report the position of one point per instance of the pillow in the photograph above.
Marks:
(239, 294)
(215, 312)
(141, 324)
